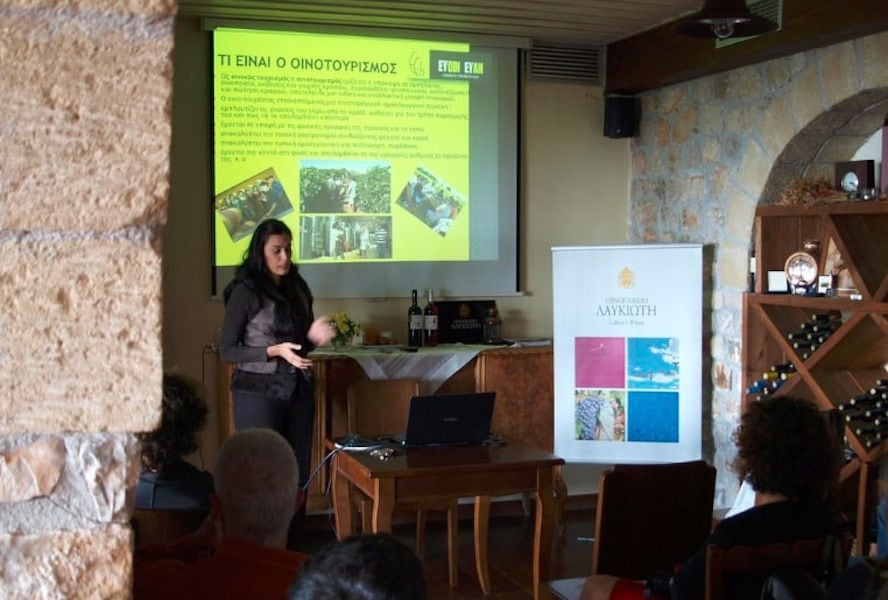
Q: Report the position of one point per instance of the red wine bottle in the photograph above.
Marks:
(430, 322)
(414, 323)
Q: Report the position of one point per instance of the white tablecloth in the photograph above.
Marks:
(431, 366)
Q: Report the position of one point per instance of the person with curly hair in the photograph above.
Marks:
(167, 480)
(268, 331)
(789, 453)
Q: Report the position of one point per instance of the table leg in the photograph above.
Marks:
(383, 505)
(542, 546)
(453, 544)
(342, 502)
(482, 519)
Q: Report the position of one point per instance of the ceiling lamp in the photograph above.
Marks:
(723, 19)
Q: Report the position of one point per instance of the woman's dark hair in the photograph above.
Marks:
(183, 415)
(787, 446)
(362, 567)
(292, 298)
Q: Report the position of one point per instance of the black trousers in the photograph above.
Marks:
(281, 401)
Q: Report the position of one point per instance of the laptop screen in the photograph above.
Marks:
(449, 419)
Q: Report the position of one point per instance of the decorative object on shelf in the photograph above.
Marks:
(801, 273)
(777, 283)
(868, 194)
(345, 329)
(854, 176)
(810, 191)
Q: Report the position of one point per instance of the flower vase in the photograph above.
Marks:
(340, 344)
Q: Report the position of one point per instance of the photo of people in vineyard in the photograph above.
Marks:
(250, 202)
(345, 187)
(431, 200)
(345, 238)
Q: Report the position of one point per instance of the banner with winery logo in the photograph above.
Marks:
(628, 352)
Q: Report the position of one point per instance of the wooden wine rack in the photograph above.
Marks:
(855, 355)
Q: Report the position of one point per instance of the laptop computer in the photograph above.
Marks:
(448, 419)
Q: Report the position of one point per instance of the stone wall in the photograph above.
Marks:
(712, 149)
(83, 189)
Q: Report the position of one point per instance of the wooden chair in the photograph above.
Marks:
(815, 555)
(651, 516)
(380, 407)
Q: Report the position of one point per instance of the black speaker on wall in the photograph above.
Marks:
(621, 116)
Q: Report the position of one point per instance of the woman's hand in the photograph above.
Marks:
(321, 331)
(289, 352)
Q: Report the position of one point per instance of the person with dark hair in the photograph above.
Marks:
(239, 551)
(168, 481)
(788, 452)
(268, 331)
(362, 567)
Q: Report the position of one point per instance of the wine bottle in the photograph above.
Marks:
(831, 315)
(827, 327)
(786, 367)
(414, 323)
(860, 400)
(430, 322)
(853, 415)
(872, 442)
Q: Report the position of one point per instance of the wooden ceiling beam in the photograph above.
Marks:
(659, 57)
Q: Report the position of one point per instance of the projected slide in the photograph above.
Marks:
(340, 122)
(394, 160)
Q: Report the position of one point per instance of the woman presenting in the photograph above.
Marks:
(268, 331)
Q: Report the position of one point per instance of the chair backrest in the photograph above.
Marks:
(823, 556)
(651, 516)
(159, 526)
(379, 406)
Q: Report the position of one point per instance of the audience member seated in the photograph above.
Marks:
(167, 480)
(239, 551)
(865, 580)
(362, 567)
(787, 452)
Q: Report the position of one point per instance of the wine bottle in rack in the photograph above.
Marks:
(414, 323)
(827, 327)
(879, 389)
(852, 415)
(872, 441)
(824, 317)
(866, 429)
(861, 400)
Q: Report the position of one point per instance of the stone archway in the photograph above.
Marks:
(709, 151)
(833, 136)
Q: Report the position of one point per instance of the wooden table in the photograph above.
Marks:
(521, 377)
(418, 474)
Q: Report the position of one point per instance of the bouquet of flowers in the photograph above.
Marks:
(344, 327)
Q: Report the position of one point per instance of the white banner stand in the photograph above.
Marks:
(628, 353)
